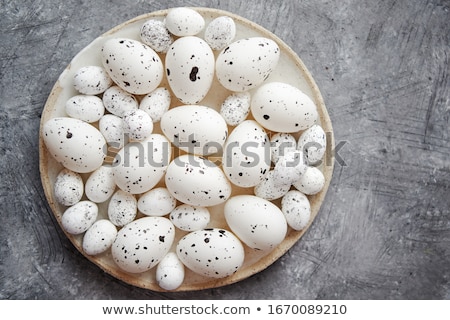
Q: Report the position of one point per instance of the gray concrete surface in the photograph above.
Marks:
(383, 68)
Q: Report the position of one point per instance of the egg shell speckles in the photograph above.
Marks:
(195, 129)
(170, 272)
(156, 202)
(297, 209)
(214, 252)
(311, 182)
(111, 127)
(184, 22)
(122, 208)
(155, 34)
(87, 108)
(259, 223)
(190, 218)
(246, 159)
(156, 103)
(99, 237)
(280, 144)
(236, 108)
(281, 107)
(190, 69)
(79, 217)
(197, 181)
(137, 124)
(133, 66)
(139, 166)
(68, 187)
(91, 80)
(269, 189)
(75, 144)
(313, 142)
(220, 32)
(289, 168)
(247, 63)
(118, 101)
(100, 184)
(141, 244)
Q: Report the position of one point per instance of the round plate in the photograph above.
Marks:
(290, 70)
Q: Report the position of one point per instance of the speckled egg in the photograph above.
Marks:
(75, 144)
(111, 127)
(79, 217)
(122, 208)
(170, 272)
(142, 244)
(197, 181)
(68, 188)
(156, 103)
(91, 80)
(246, 159)
(281, 107)
(311, 182)
(118, 101)
(137, 124)
(99, 237)
(190, 218)
(236, 108)
(139, 166)
(259, 223)
(280, 144)
(289, 168)
(313, 142)
(184, 22)
(100, 184)
(247, 63)
(269, 189)
(215, 253)
(84, 107)
(195, 129)
(296, 209)
(220, 32)
(156, 202)
(155, 34)
(134, 66)
(190, 69)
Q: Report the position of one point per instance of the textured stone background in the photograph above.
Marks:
(383, 69)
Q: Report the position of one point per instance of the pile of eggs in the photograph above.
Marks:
(152, 194)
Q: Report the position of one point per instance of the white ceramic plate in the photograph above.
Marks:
(290, 70)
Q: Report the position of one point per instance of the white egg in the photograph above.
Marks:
(155, 34)
(311, 182)
(247, 63)
(118, 101)
(68, 187)
(156, 202)
(281, 107)
(100, 184)
(122, 208)
(289, 168)
(184, 22)
(170, 272)
(215, 253)
(156, 103)
(190, 218)
(99, 237)
(269, 189)
(75, 144)
(190, 69)
(139, 166)
(297, 209)
(137, 124)
(111, 127)
(142, 244)
(220, 32)
(236, 108)
(246, 158)
(197, 181)
(280, 144)
(85, 107)
(313, 142)
(259, 223)
(79, 217)
(134, 66)
(195, 129)
(91, 80)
